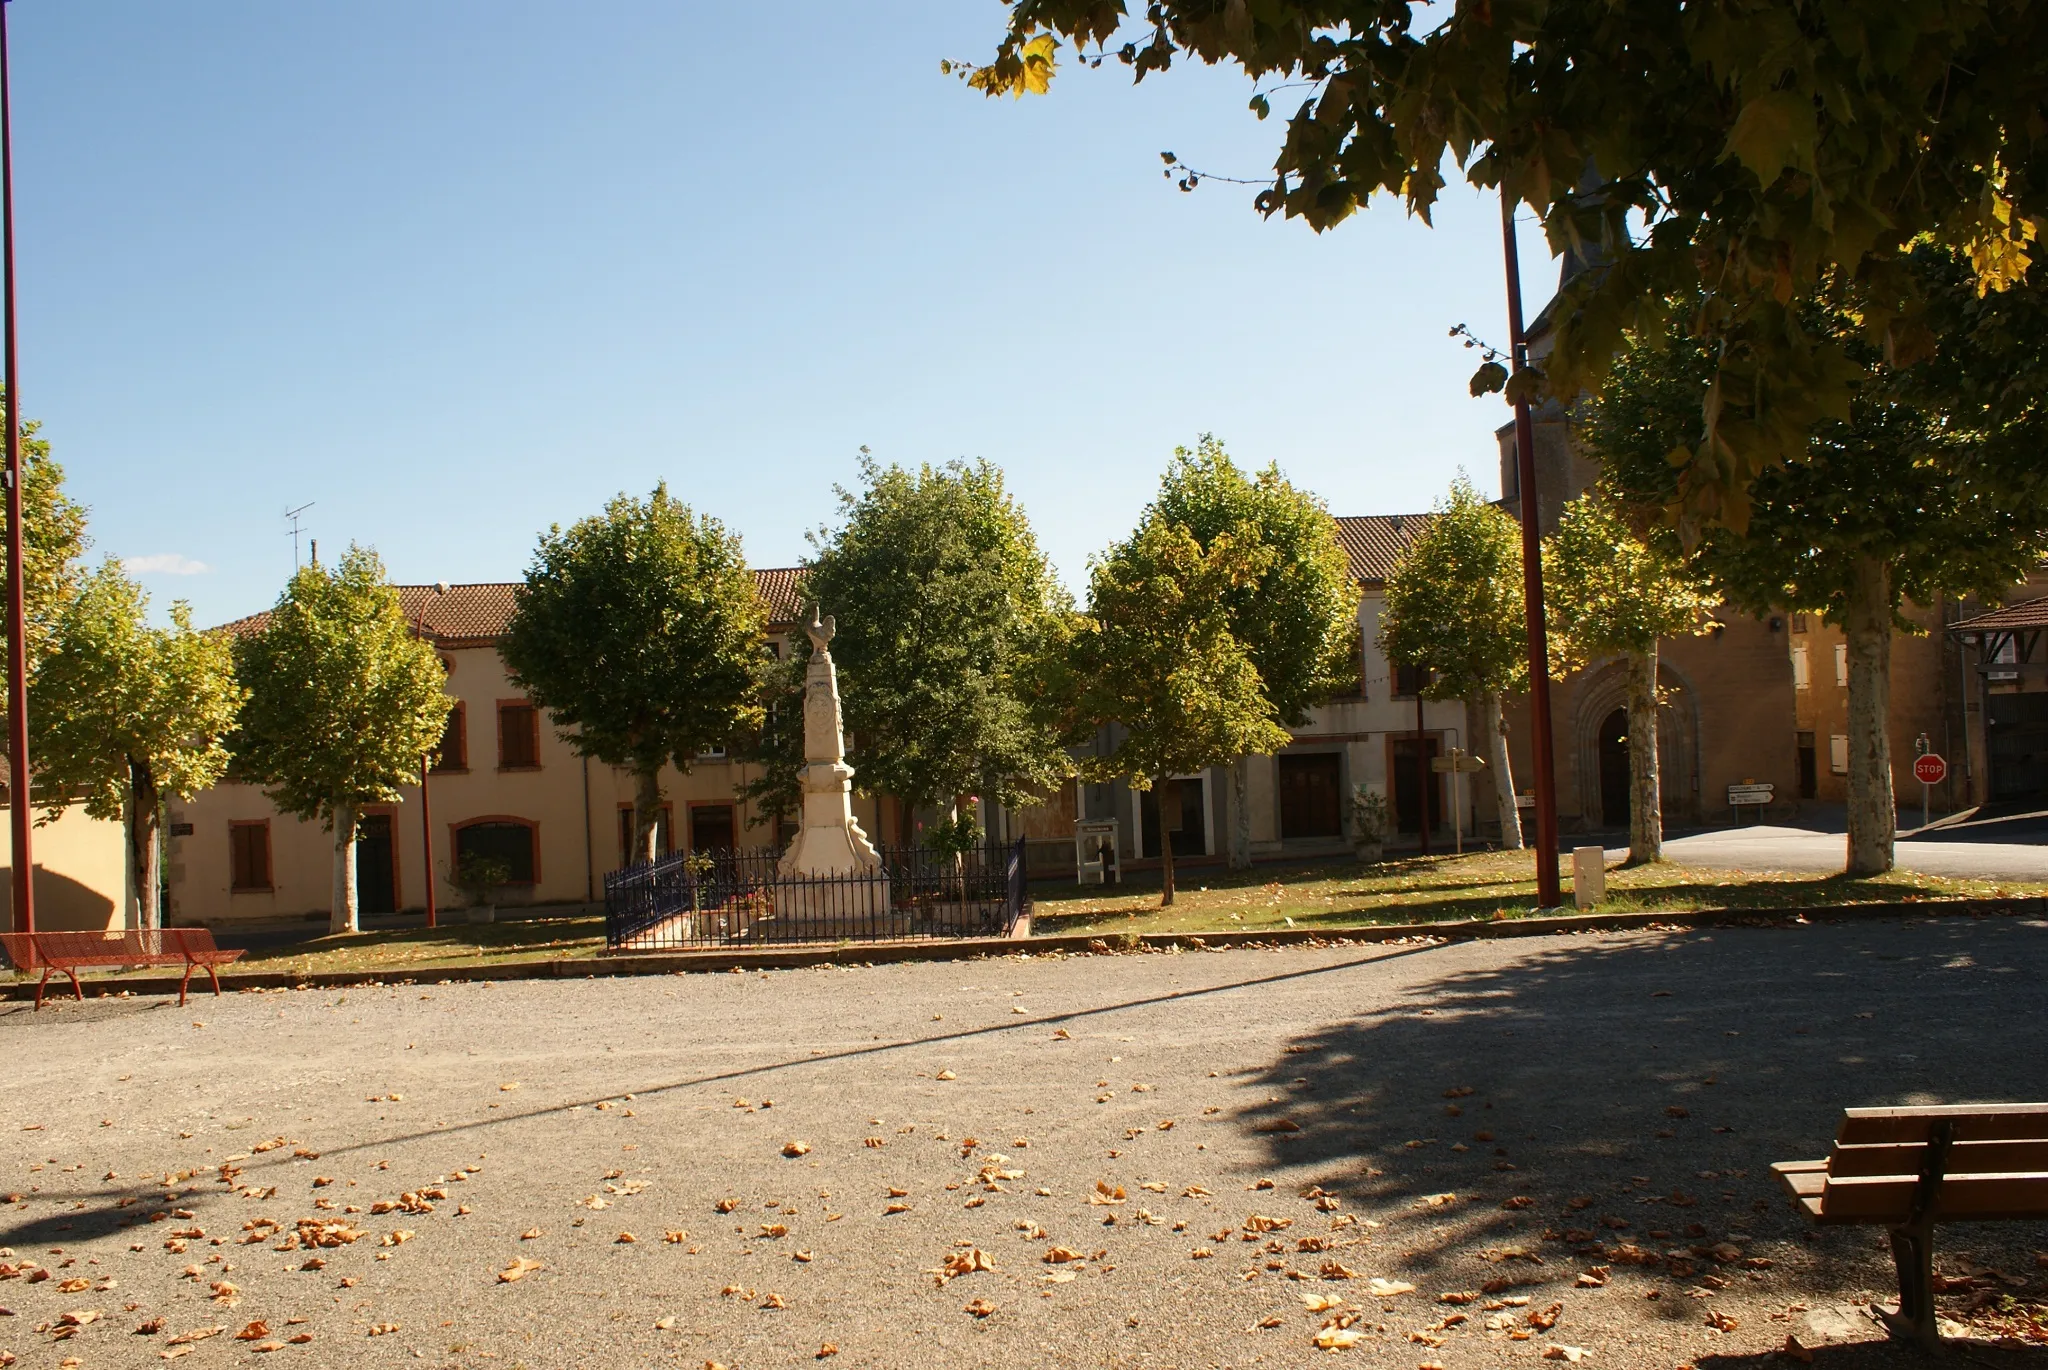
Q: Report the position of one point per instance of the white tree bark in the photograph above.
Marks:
(1496, 728)
(647, 813)
(1645, 781)
(1241, 815)
(1873, 813)
(342, 913)
(145, 847)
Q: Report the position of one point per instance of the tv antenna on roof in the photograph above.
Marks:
(293, 515)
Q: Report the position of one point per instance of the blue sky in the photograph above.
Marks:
(454, 270)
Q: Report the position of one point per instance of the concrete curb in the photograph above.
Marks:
(1083, 944)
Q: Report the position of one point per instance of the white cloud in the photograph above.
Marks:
(165, 564)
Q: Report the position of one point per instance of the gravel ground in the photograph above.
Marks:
(1223, 1138)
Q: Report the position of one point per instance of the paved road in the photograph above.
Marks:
(1430, 1090)
(2005, 847)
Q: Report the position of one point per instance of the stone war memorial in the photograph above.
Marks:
(831, 880)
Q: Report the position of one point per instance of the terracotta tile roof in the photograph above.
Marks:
(1374, 542)
(2031, 613)
(778, 590)
(476, 615)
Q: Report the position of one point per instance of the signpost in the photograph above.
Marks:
(1458, 762)
(1930, 768)
(1750, 793)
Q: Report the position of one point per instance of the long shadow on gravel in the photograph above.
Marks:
(1618, 1104)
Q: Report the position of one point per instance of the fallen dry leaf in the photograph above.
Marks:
(945, 1075)
(1387, 1289)
(1338, 1338)
(518, 1270)
(796, 1148)
(1574, 1354)
(255, 1331)
(980, 1308)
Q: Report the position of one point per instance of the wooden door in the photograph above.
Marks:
(1310, 796)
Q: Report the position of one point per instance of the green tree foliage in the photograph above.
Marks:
(130, 714)
(640, 631)
(344, 698)
(1154, 669)
(1767, 146)
(1454, 606)
(1615, 590)
(1298, 619)
(944, 605)
(51, 551)
(1933, 486)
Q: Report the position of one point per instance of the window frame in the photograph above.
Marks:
(269, 885)
(666, 829)
(506, 706)
(458, 727)
(1838, 753)
(455, 831)
(728, 805)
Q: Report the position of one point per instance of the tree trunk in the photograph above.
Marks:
(1503, 773)
(1168, 791)
(144, 846)
(647, 812)
(1645, 780)
(1241, 814)
(342, 915)
(1873, 806)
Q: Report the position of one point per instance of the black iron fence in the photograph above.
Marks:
(734, 898)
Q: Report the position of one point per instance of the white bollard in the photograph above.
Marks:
(1589, 876)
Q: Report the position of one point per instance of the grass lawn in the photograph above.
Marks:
(1429, 888)
(1328, 896)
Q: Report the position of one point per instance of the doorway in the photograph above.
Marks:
(1809, 767)
(1191, 838)
(1310, 796)
(376, 866)
(1614, 781)
(1412, 780)
(711, 827)
(2016, 737)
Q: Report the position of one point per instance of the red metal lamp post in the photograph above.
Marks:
(1548, 892)
(21, 858)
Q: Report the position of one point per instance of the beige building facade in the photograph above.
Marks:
(506, 784)
(82, 881)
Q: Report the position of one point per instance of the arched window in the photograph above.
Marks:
(514, 842)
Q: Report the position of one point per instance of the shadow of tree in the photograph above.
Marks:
(1609, 1109)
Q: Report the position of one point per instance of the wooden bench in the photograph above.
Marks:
(1910, 1168)
(69, 952)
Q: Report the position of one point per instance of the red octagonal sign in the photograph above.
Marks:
(1929, 768)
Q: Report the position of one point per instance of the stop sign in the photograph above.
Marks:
(1929, 768)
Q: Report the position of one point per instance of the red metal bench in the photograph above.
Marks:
(68, 952)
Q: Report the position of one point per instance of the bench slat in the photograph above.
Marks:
(1964, 1158)
(1973, 1123)
(1969, 1198)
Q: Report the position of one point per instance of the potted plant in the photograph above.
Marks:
(1369, 818)
(478, 877)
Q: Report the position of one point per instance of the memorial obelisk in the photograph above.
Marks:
(830, 843)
